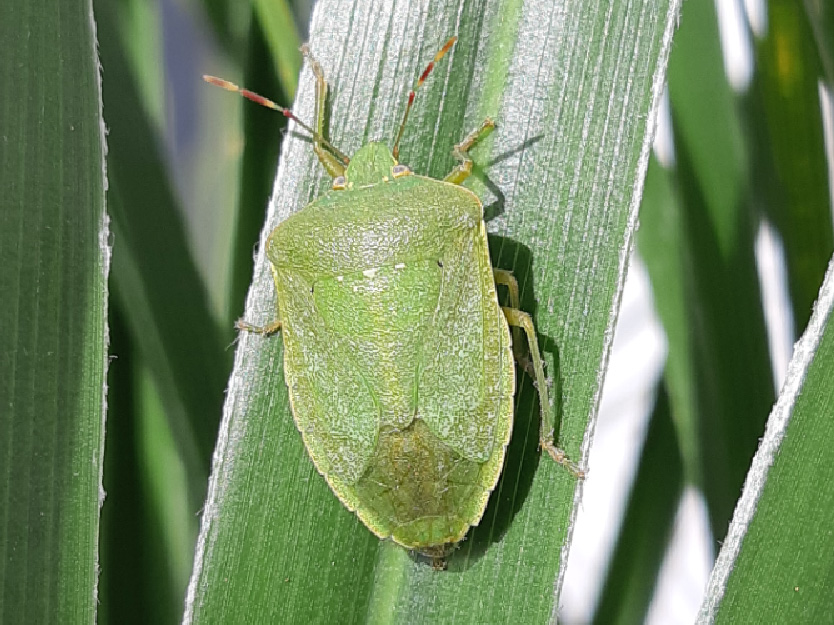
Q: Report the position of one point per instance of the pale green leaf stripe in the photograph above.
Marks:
(279, 29)
(776, 564)
(54, 258)
(572, 87)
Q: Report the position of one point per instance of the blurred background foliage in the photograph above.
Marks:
(742, 160)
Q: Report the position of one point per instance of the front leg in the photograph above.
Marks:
(461, 152)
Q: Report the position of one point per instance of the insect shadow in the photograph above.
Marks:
(496, 207)
(523, 455)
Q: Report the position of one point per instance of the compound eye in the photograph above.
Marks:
(398, 171)
(339, 183)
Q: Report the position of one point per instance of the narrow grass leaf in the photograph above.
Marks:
(776, 564)
(54, 261)
(572, 89)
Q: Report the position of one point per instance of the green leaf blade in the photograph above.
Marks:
(53, 338)
(776, 563)
(575, 91)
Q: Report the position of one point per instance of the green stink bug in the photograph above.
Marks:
(397, 354)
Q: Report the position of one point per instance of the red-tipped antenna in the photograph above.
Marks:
(259, 99)
(441, 53)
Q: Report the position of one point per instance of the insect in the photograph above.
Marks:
(397, 355)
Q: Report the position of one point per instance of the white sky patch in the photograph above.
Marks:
(637, 358)
(770, 263)
(827, 108)
(664, 138)
(756, 11)
(735, 42)
(685, 571)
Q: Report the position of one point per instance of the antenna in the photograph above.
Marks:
(441, 53)
(259, 99)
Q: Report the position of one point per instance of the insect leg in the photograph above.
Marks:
(501, 276)
(519, 319)
(270, 328)
(461, 152)
(411, 94)
(332, 159)
(334, 166)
